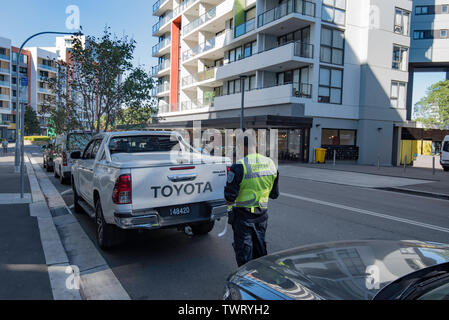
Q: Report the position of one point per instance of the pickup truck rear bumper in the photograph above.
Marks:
(153, 219)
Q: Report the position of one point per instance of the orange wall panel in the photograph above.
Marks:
(174, 64)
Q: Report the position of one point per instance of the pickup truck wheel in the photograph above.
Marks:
(62, 179)
(76, 205)
(203, 228)
(106, 233)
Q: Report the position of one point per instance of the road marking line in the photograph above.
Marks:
(367, 212)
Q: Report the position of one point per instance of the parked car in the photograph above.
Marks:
(133, 180)
(48, 157)
(352, 270)
(444, 155)
(66, 144)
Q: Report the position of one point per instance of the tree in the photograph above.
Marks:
(433, 109)
(101, 81)
(139, 107)
(31, 122)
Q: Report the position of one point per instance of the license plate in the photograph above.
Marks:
(180, 211)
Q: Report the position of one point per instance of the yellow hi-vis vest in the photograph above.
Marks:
(259, 174)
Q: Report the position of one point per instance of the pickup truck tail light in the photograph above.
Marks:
(122, 190)
(64, 159)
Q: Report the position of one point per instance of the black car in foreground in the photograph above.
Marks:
(350, 270)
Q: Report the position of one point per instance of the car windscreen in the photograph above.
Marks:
(78, 141)
(144, 143)
(446, 146)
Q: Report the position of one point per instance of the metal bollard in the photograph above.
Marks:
(378, 162)
(405, 162)
(335, 156)
(433, 165)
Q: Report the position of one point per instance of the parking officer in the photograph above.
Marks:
(251, 181)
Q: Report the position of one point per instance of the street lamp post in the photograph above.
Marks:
(20, 125)
(242, 114)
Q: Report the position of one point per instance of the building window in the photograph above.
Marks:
(244, 51)
(331, 85)
(338, 137)
(422, 34)
(443, 33)
(400, 58)
(422, 10)
(302, 35)
(444, 9)
(402, 22)
(333, 11)
(332, 46)
(398, 94)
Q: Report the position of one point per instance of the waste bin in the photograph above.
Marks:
(320, 155)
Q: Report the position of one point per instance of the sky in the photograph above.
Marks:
(133, 18)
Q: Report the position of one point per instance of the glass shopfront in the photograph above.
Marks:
(293, 145)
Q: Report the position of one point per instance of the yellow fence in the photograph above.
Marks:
(412, 148)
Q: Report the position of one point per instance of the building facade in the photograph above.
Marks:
(430, 42)
(325, 73)
(37, 66)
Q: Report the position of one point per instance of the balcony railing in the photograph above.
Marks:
(303, 50)
(209, 44)
(4, 97)
(4, 70)
(200, 76)
(5, 57)
(160, 67)
(300, 90)
(163, 87)
(158, 4)
(163, 107)
(196, 104)
(209, 15)
(4, 83)
(172, 14)
(246, 27)
(44, 66)
(45, 90)
(161, 45)
(298, 6)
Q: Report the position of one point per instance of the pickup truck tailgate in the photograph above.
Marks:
(154, 187)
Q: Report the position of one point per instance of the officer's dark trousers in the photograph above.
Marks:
(249, 235)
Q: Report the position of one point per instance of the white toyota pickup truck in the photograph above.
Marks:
(147, 180)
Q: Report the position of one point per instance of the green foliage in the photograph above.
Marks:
(433, 109)
(31, 122)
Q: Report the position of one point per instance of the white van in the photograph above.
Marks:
(444, 155)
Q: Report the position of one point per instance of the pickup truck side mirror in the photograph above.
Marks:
(75, 155)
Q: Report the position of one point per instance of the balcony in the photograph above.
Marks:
(297, 53)
(209, 15)
(160, 67)
(163, 107)
(199, 77)
(44, 90)
(291, 6)
(5, 57)
(172, 14)
(48, 68)
(196, 104)
(266, 96)
(244, 28)
(4, 84)
(208, 45)
(160, 46)
(4, 70)
(159, 4)
(161, 89)
(4, 97)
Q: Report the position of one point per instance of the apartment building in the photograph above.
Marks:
(36, 67)
(325, 73)
(10, 73)
(430, 41)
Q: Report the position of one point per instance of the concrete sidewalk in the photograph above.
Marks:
(23, 271)
(33, 263)
(437, 184)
